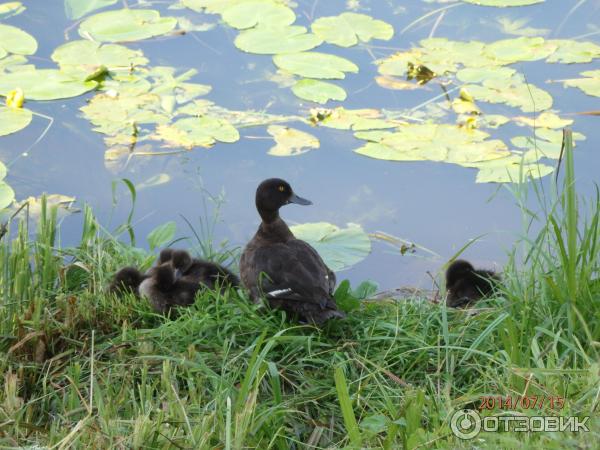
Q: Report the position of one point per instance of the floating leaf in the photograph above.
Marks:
(161, 235)
(352, 119)
(504, 3)
(14, 40)
(44, 84)
(63, 204)
(292, 39)
(590, 85)
(13, 119)
(315, 65)
(340, 248)
(480, 74)
(2, 171)
(527, 97)
(517, 27)
(348, 29)
(10, 9)
(509, 170)
(318, 91)
(290, 141)
(508, 51)
(197, 132)
(126, 25)
(87, 56)
(570, 51)
(544, 120)
(7, 195)
(76, 9)
(253, 13)
(397, 84)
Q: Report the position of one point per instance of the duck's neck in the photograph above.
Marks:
(273, 227)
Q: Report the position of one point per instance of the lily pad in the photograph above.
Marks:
(318, 91)
(544, 120)
(570, 52)
(353, 119)
(349, 28)
(126, 25)
(253, 13)
(504, 3)
(197, 132)
(13, 120)
(509, 170)
(14, 40)
(10, 9)
(7, 195)
(590, 84)
(290, 141)
(264, 40)
(315, 65)
(340, 248)
(480, 74)
(87, 56)
(76, 9)
(527, 97)
(44, 84)
(508, 51)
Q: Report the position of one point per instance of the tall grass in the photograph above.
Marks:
(81, 369)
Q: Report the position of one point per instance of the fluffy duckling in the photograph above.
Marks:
(165, 291)
(128, 279)
(465, 284)
(287, 271)
(203, 272)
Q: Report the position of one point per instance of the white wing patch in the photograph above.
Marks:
(279, 292)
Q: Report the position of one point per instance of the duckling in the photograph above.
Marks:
(128, 279)
(165, 291)
(197, 270)
(287, 271)
(466, 285)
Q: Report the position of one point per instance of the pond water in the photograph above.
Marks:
(438, 206)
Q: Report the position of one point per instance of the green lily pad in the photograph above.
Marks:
(44, 84)
(10, 9)
(570, 51)
(504, 3)
(253, 13)
(480, 74)
(126, 25)
(508, 170)
(508, 51)
(197, 132)
(318, 91)
(7, 195)
(544, 120)
(527, 97)
(86, 56)
(76, 9)
(315, 65)
(14, 40)
(590, 84)
(3, 171)
(340, 248)
(263, 40)
(13, 120)
(354, 119)
(290, 141)
(348, 29)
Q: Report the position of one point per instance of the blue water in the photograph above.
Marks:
(436, 205)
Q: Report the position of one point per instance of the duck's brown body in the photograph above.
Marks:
(466, 285)
(286, 271)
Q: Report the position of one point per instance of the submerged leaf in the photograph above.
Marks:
(290, 141)
(13, 120)
(126, 25)
(14, 40)
(253, 13)
(348, 29)
(504, 3)
(315, 65)
(44, 84)
(262, 40)
(76, 9)
(340, 248)
(318, 91)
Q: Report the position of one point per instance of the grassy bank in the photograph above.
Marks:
(81, 369)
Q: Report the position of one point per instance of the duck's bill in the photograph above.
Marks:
(299, 200)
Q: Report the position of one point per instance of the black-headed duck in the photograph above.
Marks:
(465, 284)
(126, 280)
(288, 272)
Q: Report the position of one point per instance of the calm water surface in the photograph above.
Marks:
(436, 205)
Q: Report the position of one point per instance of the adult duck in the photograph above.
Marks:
(465, 284)
(288, 272)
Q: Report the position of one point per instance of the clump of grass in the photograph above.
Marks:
(83, 369)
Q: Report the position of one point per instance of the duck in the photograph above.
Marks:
(210, 275)
(288, 272)
(165, 290)
(465, 284)
(126, 280)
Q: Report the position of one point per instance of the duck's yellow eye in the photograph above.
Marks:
(281, 188)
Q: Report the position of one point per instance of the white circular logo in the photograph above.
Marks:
(465, 423)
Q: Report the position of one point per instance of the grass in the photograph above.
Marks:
(80, 369)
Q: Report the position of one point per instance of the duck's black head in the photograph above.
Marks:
(181, 261)
(274, 193)
(457, 270)
(166, 254)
